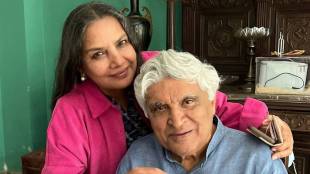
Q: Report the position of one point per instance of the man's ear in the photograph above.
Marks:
(213, 103)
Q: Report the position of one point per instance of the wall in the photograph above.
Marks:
(30, 33)
(15, 111)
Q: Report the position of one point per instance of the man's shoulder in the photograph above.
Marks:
(242, 143)
(253, 151)
(243, 139)
(145, 151)
(146, 143)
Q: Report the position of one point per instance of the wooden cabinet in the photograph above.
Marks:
(295, 111)
(208, 28)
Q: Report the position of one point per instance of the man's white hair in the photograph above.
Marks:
(179, 66)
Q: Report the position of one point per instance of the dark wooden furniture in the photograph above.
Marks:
(295, 111)
(209, 27)
(170, 24)
(33, 162)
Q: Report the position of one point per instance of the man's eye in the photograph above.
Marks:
(158, 108)
(189, 102)
(161, 108)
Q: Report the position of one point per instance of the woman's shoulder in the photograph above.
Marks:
(82, 94)
(74, 98)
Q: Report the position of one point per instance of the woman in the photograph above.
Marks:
(94, 110)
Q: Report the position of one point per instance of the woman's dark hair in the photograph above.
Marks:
(70, 58)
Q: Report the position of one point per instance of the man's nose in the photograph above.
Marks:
(116, 58)
(176, 118)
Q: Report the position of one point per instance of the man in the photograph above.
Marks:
(177, 93)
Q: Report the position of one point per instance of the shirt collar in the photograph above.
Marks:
(97, 102)
(215, 140)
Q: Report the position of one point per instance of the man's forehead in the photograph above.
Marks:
(172, 91)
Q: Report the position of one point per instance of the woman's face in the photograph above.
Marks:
(108, 57)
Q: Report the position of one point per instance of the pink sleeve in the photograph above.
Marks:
(147, 55)
(67, 147)
(237, 116)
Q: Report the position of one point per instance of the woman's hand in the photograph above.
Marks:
(286, 148)
(146, 170)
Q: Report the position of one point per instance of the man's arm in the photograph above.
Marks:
(254, 113)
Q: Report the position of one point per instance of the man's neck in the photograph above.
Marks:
(188, 162)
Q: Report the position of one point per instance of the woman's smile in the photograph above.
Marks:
(120, 74)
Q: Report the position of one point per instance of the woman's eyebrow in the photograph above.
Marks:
(101, 48)
(94, 49)
(121, 38)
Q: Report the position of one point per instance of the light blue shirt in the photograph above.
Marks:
(229, 151)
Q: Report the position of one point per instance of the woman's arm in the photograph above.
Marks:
(255, 113)
(287, 147)
(66, 147)
(237, 116)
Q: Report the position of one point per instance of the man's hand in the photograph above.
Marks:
(286, 148)
(146, 170)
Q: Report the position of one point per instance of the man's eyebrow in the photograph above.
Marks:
(190, 97)
(155, 103)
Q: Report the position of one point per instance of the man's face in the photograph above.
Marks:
(181, 116)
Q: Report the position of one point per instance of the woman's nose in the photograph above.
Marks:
(116, 59)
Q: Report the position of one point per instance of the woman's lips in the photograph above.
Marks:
(121, 74)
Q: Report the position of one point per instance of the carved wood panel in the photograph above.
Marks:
(188, 24)
(208, 27)
(208, 32)
(209, 24)
(298, 121)
(296, 29)
(286, 2)
(300, 161)
(218, 41)
(224, 3)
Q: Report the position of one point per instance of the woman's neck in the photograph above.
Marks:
(119, 96)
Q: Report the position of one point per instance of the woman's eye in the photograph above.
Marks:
(123, 43)
(98, 54)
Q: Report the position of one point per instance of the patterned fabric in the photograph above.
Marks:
(135, 126)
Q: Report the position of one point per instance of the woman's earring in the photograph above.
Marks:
(83, 77)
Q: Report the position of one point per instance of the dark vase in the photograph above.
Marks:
(141, 25)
